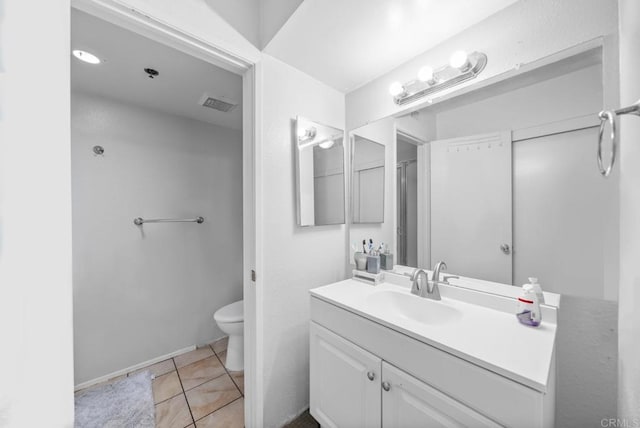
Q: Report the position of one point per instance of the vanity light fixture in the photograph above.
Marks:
(461, 67)
(327, 144)
(306, 134)
(396, 89)
(85, 56)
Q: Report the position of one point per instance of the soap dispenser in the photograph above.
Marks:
(528, 311)
(386, 258)
(537, 289)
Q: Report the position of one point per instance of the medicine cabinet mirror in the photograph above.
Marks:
(319, 173)
(367, 180)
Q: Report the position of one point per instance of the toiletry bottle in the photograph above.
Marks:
(528, 311)
(537, 289)
(386, 260)
(373, 262)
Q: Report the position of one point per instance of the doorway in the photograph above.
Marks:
(407, 199)
(179, 184)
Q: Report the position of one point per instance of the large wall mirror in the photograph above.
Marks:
(367, 180)
(502, 183)
(319, 173)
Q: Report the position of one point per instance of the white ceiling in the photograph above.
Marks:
(257, 20)
(182, 81)
(346, 44)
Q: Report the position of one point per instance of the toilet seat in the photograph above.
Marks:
(233, 312)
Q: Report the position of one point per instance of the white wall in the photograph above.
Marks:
(518, 34)
(195, 18)
(629, 315)
(293, 259)
(242, 15)
(140, 293)
(257, 20)
(36, 362)
(420, 125)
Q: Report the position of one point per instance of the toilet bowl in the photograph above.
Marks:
(230, 319)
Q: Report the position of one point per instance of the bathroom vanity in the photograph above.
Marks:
(383, 357)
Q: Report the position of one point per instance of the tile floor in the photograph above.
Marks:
(195, 390)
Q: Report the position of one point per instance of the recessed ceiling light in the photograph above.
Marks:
(86, 56)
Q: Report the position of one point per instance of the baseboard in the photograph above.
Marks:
(106, 377)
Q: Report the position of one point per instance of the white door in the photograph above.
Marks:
(559, 198)
(410, 403)
(345, 382)
(471, 206)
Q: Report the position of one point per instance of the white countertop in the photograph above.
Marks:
(487, 337)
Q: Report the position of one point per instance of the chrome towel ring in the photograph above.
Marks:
(610, 116)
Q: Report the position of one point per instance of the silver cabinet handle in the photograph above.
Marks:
(386, 386)
(505, 248)
(371, 375)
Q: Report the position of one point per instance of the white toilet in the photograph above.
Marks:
(230, 319)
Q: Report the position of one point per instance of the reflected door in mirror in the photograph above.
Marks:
(471, 213)
(368, 180)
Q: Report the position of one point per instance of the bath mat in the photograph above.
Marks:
(124, 403)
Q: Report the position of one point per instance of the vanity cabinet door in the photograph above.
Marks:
(408, 402)
(345, 382)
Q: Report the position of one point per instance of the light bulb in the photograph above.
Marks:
(425, 74)
(396, 89)
(459, 59)
(86, 57)
(327, 144)
(306, 134)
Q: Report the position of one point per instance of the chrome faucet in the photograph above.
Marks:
(429, 289)
(435, 276)
(416, 287)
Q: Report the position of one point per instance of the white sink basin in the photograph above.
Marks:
(415, 308)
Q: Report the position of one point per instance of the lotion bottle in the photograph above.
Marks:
(528, 311)
(537, 289)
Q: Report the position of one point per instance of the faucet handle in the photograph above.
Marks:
(446, 278)
(412, 274)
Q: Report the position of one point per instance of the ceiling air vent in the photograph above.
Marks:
(219, 103)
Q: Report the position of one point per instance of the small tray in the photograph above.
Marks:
(368, 278)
